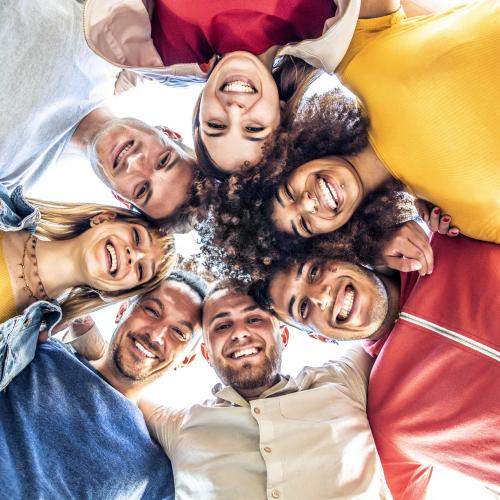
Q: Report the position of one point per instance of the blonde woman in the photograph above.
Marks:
(82, 255)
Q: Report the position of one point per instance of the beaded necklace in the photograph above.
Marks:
(39, 293)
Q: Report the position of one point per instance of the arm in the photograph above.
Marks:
(85, 338)
(379, 8)
(163, 422)
(19, 336)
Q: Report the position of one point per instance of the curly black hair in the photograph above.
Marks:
(239, 238)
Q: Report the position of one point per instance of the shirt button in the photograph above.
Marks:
(267, 449)
(256, 410)
(275, 494)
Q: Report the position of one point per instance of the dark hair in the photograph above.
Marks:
(197, 284)
(241, 240)
(232, 285)
(292, 75)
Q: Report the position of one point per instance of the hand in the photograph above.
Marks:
(408, 249)
(435, 220)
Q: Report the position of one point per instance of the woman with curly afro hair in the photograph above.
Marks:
(245, 234)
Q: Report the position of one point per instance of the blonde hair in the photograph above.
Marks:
(64, 221)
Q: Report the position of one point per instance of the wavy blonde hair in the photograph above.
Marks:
(64, 221)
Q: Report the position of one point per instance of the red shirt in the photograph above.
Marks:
(434, 395)
(187, 31)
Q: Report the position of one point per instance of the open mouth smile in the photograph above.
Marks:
(347, 304)
(238, 85)
(329, 194)
(246, 352)
(111, 258)
(122, 152)
(144, 351)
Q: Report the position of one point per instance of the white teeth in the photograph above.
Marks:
(238, 86)
(329, 194)
(244, 352)
(347, 304)
(144, 351)
(112, 255)
(123, 152)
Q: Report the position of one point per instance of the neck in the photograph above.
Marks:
(130, 389)
(59, 265)
(370, 169)
(90, 126)
(251, 394)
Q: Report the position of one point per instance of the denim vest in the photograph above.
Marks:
(19, 335)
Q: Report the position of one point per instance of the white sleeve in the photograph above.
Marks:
(353, 368)
(163, 423)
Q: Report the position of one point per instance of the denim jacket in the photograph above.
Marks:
(19, 335)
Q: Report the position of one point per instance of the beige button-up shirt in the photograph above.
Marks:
(306, 438)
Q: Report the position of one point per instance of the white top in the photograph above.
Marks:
(306, 438)
(49, 80)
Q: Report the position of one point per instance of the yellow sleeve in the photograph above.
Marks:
(365, 30)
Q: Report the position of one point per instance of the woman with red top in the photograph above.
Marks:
(259, 57)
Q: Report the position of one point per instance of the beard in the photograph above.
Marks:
(250, 375)
(129, 368)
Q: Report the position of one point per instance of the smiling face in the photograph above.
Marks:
(318, 197)
(156, 331)
(116, 255)
(241, 341)
(144, 166)
(239, 108)
(338, 299)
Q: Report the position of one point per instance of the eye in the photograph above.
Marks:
(151, 311)
(255, 320)
(303, 308)
(165, 159)
(217, 126)
(180, 334)
(221, 327)
(136, 237)
(288, 192)
(253, 130)
(140, 271)
(313, 272)
(142, 190)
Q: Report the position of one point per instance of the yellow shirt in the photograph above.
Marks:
(7, 302)
(431, 87)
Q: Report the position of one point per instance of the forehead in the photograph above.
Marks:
(229, 303)
(176, 297)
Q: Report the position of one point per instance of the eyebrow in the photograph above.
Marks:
(188, 324)
(292, 300)
(278, 198)
(157, 301)
(219, 315)
(251, 308)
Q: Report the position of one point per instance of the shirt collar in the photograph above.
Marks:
(285, 385)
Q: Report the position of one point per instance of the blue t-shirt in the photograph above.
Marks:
(66, 433)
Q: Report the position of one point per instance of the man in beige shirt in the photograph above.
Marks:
(266, 435)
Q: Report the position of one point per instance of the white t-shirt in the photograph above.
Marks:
(49, 82)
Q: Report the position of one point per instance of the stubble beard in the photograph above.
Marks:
(249, 375)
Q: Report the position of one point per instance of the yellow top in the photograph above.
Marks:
(7, 302)
(431, 87)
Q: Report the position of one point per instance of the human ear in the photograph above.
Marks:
(204, 352)
(284, 335)
(188, 359)
(171, 134)
(121, 311)
(121, 199)
(102, 217)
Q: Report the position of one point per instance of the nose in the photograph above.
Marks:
(323, 298)
(136, 163)
(308, 204)
(134, 255)
(239, 333)
(158, 334)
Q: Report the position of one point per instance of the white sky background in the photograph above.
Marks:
(72, 179)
